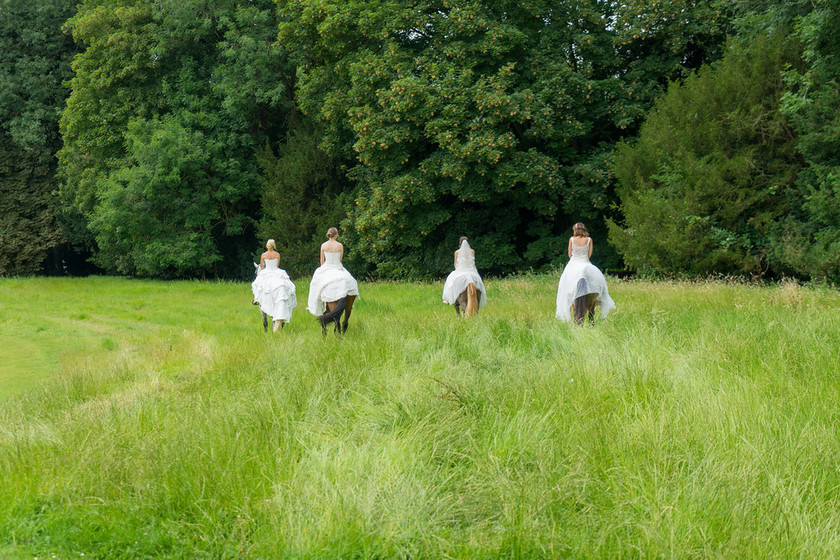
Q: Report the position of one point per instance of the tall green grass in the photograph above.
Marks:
(156, 420)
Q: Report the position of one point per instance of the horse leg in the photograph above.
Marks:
(347, 311)
(593, 300)
(579, 309)
(338, 309)
(265, 321)
(330, 307)
(461, 303)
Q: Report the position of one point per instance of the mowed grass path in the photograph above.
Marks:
(145, 419)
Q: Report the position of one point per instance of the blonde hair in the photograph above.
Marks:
(332, 233)
(579, 230)
(270, 245)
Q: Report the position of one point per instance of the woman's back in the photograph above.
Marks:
(465, 259)
(332, 259)
(580, 251)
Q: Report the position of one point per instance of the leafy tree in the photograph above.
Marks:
(489, 118)
(169, 103)
(303, 195)
(713, 170)
(34, 63)
(809, 240)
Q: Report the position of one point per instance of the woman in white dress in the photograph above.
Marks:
(273, 291)
(581, 283)
(459, 286)
(332, 284)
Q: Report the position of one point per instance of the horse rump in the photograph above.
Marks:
(583, 306)
(333, 315)
(468, 301)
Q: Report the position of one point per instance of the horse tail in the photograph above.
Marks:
(336, 312)
(472, 300)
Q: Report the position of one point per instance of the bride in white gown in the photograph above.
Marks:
(331, 281)
(582, 279)
(273, 291)
(457, 282)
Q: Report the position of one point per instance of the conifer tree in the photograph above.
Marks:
(34, 63)
(713, 170)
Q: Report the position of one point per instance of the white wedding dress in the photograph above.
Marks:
(330, 282)
(274, 291)
(580, 278)
(465, 273)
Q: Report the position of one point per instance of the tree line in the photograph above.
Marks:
(169, 138)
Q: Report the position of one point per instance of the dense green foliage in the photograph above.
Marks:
(487, 118)
(303, 195)
(34, 63)
(713, 170)
(736, 171)
(29, 228)
(167, 425)
(811, 237)
(169, 102)
(196, 129)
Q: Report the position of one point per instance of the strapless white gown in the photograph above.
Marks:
(274, 291)
(330, 282)
(580, 278)
(465, 273)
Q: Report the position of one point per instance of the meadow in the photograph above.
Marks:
(148, 419)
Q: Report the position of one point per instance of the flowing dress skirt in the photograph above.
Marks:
(580, 278)
(330, 282)
(275, 293)
(457, 282)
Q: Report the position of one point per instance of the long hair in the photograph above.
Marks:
(579, 230)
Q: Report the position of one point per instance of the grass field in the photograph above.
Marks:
(144, 419)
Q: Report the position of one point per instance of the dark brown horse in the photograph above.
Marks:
(334, 312)
(468, 299)
(583, 306)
